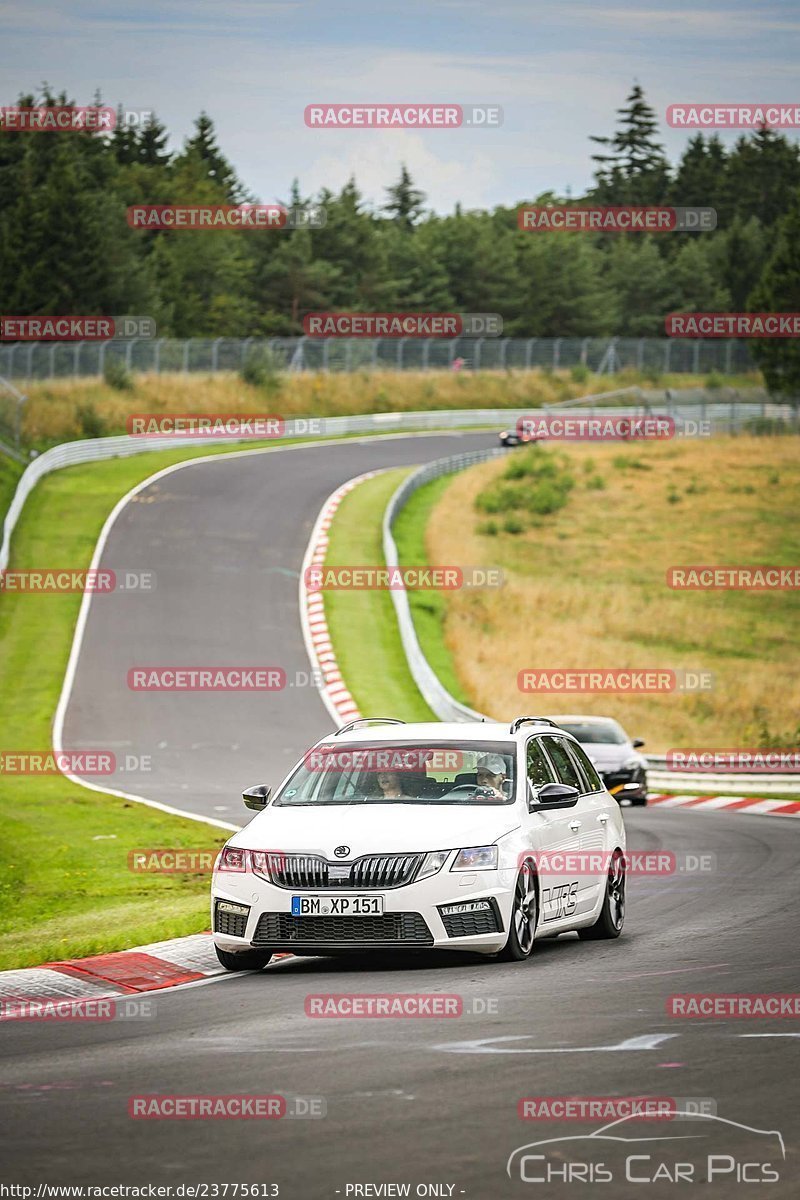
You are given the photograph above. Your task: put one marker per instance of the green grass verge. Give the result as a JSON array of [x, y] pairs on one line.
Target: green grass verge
[[64, 874], [428, 608], [10, 472], [362, 624]]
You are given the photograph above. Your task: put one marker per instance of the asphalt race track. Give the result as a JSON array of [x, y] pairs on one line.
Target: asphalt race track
[[424, 1102], [225, 541]]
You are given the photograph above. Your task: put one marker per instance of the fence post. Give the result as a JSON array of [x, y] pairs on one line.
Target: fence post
[[640, 354], [476, 362], [129, 352], [529, 352], [376, 342], [426, 353], [400, 346], [186, 356], [728, 352], [584, 351], [101, 358], [696, 357], [30, 359], [215, 354], [556, 353], [53, 359], [667, 355], [157, 356]]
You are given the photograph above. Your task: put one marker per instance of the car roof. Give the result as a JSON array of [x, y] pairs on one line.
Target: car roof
[[583, 720], [429, 731]]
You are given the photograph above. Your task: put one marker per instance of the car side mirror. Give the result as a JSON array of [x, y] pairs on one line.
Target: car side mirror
[[554, 795], [637, 742], [257, 797]]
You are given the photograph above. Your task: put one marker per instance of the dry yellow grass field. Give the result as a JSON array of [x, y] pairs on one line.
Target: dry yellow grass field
[[60, 409], [586, 587]]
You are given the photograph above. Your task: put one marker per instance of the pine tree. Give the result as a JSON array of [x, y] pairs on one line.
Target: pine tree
[[203, 150], [405, 202], [778, 290], [635, 169]]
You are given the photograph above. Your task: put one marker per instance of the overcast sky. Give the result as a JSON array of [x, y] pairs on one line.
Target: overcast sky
[[558, 69]]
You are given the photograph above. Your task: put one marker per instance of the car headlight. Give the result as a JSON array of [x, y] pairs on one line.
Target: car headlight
[[231, 859], [476, 858], [432, 863]]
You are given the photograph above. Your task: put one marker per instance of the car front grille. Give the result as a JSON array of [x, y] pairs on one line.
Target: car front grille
[[401, 929], [373, 871], [234, 924], [470, 924]]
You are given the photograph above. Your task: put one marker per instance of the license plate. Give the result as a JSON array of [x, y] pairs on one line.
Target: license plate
[[337, 906]]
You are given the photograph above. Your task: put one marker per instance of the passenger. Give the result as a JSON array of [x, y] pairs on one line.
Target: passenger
[[490, 774], [389, 784]]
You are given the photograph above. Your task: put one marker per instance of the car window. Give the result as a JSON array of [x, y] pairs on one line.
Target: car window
[[566, 770], [586, 768], [537, 766]]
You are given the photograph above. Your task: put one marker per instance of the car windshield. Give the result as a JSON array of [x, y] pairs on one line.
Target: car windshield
[[602, 733], [402, 773]]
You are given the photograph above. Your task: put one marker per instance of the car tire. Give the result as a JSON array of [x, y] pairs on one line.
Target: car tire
[[244, 960], [524, 917], [639, 802], [612, 914]]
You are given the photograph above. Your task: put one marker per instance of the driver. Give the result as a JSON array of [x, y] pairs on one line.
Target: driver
[[490, 774]]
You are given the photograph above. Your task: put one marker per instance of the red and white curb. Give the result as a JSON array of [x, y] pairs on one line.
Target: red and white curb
[[152, 968], [148, 968], [337, 699], [758, 805]]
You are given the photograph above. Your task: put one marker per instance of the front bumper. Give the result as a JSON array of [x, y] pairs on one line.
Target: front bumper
[[626, 785], [450, 910]]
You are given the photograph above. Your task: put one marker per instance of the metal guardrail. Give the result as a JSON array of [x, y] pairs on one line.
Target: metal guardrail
[[445, 705], [729, 416], [52, 360], [436, 695]]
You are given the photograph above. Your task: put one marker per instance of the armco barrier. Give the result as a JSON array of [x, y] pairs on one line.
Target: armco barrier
[[447, 708], [728, 415]]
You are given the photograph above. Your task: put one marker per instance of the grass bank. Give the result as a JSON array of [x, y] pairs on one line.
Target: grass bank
[[61, 409], [362, 624], [64, 875], [586, 567]]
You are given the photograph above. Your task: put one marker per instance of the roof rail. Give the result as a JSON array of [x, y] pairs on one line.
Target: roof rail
[[515, 724], [367, 721]]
